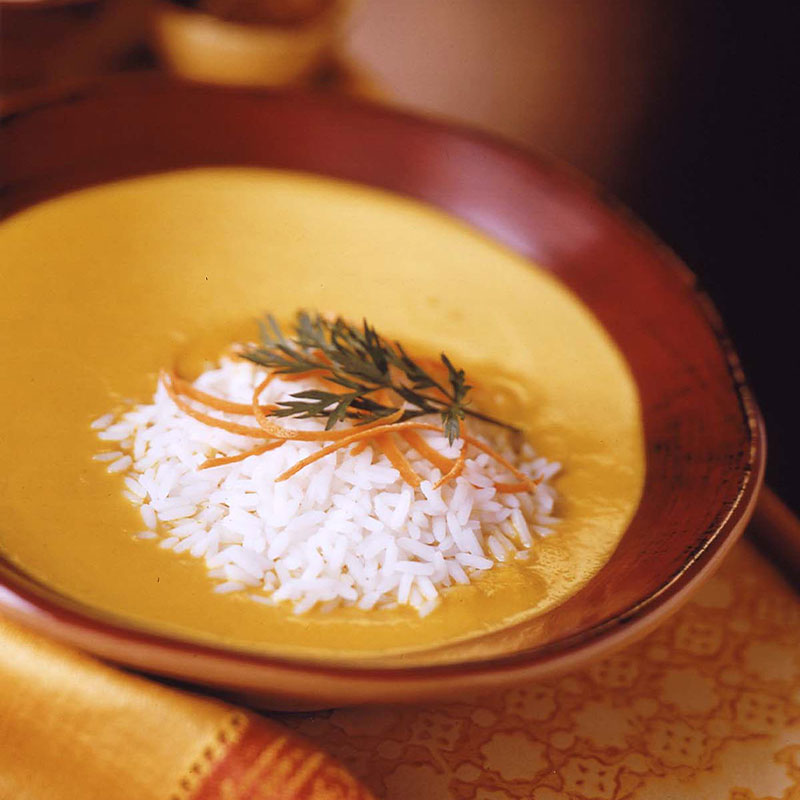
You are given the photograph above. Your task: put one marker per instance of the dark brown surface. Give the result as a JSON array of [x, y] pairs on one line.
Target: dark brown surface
[[704, 443]]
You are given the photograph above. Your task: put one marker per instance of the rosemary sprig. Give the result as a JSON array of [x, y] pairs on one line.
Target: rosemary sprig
[[364, 364]]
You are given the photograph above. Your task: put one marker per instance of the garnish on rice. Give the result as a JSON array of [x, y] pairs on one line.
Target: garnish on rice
[[372, 382], [327, 466], [371, 377]]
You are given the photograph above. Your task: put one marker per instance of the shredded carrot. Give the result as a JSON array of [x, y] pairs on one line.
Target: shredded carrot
[[279, 432], [396, 427], [520, 476], [382, 395], [322, 358], [184, 387], [525, 483], [363, 434], [256, 451], [361, 446], [426, 451], [255, 408], [319, 374], [455, 470], [515, 488], [291, 377], [378, 431], [387, 445], [207, 419], [351, 439], [438, 370]]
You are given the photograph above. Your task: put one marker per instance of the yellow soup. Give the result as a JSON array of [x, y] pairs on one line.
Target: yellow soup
[[103, 287]]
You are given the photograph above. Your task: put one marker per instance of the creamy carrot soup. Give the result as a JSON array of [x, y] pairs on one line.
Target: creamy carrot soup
[[106, 287]]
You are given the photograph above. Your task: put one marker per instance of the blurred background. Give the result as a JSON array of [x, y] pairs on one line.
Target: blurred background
[[683, 109]]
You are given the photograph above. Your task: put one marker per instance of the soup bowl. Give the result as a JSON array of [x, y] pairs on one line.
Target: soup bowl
[[703, 436]]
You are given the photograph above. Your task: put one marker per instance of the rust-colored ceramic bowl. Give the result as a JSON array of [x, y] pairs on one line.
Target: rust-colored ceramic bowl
[[703, 435]]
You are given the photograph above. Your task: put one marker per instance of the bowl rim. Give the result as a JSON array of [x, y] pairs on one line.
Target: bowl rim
[[22, 600]]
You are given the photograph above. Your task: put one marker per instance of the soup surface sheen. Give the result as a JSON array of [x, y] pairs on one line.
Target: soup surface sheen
[[103, 287]]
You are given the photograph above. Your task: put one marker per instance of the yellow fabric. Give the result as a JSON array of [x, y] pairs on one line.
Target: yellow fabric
[[707, 706], [73, 728]]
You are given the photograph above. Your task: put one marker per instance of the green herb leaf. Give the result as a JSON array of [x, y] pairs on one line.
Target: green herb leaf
[[366, 364]]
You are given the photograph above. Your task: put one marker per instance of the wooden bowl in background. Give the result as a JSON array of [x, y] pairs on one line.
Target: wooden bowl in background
[[201, 47]]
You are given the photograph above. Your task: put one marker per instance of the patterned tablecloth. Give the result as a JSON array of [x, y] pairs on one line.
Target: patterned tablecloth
[[707, 706]]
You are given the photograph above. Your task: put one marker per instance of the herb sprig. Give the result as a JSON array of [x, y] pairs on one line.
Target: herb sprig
[[367, 367]]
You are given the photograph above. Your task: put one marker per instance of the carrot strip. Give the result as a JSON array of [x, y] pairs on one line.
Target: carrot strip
[[427, 452], [520, 476], [207, 419], [291, 377], [279, 432], [358, 436], [190, 390], [456, 470], [525, 483], [313, 373], [515, 488], [395, 427], [184, 387], [361, 446], [352, 439], [255, 407], [256, 451], [387, 445], [438, 370], [322, 358], [378, 430]]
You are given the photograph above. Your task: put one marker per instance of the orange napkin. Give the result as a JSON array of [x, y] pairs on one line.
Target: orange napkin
[[72, 728]]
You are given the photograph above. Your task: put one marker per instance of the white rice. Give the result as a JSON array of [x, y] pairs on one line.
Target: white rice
[[346, 530]]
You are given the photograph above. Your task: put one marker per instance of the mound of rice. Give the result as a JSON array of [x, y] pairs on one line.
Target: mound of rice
[[344, 530]]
